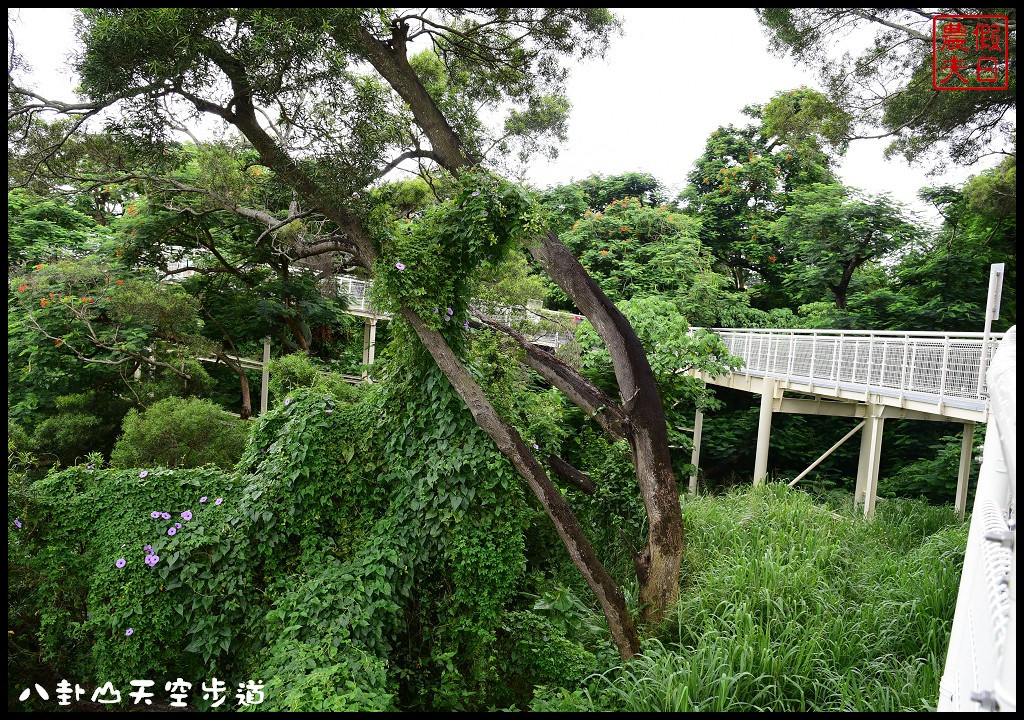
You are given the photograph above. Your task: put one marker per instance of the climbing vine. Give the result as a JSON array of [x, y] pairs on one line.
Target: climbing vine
[[430, 264]]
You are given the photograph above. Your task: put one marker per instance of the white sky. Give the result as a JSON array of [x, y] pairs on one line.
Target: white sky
[[670, 79]]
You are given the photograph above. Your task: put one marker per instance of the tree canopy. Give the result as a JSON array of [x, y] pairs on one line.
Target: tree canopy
[[887, 85]]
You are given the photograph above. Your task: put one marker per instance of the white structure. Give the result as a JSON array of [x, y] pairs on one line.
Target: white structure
[[981, 665], [860, 374], [547, 328], [867, 375]]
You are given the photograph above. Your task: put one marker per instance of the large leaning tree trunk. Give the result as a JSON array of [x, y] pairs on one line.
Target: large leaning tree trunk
[[220, 70], [644, 416]]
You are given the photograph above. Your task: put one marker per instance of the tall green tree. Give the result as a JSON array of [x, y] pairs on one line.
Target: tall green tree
[[940, 283], [831, 232], [743, 181]]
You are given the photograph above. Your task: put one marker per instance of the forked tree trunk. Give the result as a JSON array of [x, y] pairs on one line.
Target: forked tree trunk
[[644, 421], [658, 565], [511, 445]]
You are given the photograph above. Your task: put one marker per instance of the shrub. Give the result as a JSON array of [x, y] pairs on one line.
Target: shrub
[[298, 370], [180, 433], [80, 423]]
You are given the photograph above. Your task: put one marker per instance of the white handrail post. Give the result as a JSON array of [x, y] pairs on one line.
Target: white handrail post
[[881, 372], [265, 376], [856, 357], [839, 360], [871, 357], [942, 373], [995, 292], [913, 362], [792, 354], [814, 349], [903, 374]]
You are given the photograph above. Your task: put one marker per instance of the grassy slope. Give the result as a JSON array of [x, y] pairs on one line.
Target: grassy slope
[[788, 605]]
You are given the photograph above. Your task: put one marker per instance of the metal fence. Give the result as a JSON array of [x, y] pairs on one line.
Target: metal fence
[[544, 327], [944, 366]]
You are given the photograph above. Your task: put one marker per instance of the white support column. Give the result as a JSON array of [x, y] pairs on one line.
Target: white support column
[[698, 427], [369, 342], [863, 462], [769, 387], [373, 340], [964, 477], [875, 423], [265, 379]]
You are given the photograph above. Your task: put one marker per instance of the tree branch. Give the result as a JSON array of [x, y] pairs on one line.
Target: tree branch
[[895, 26], [571, 475], [583, 393]]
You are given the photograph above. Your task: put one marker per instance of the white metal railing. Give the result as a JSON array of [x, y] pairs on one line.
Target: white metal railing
[[545, 327], [981, 663], [943, 366]]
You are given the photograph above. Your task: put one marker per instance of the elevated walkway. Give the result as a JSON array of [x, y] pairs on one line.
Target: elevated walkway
[[547, 328], [871, 375]]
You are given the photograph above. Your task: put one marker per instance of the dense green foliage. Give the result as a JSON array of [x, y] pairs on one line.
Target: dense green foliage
[[179, 433], [371, 590], [886, 83], [368, 547]]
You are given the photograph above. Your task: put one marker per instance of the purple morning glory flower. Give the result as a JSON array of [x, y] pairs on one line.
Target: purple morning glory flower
[[287, 401], [450, 311], [165, 516], [89, 467], [152, 560], [447, 318], [187, 515], [466, 325], [154, 514], [328, 411], [121, 562], [202, 499], [536, 446], [129, 632], [485, 213], [171, 531], [144, 473], [148, 548], [435, 311], [177, 525], [400, 266], [17, 523], [218, 501], [475, 193]]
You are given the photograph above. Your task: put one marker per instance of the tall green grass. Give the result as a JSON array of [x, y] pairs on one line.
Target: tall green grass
[[787, 605]]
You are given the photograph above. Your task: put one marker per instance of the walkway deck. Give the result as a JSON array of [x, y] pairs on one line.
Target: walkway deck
[[935, 373], [547, 328]]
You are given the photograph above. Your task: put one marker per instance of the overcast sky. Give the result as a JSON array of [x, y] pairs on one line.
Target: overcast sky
[[671, 78]]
